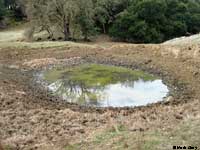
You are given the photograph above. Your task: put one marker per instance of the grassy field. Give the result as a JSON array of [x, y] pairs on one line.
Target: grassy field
[[14, 38]]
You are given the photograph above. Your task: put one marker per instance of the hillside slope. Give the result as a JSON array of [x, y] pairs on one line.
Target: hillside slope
[[194, 39]]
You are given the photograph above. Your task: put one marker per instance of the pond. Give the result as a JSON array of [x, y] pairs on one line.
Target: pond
[[105, 86]]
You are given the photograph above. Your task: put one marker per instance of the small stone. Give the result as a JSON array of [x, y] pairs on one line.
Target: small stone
[[82, 131], [148, 61], [169, 99], [84, 121], [20, 92], [126, 145], [179, 117], [195, 73], [136, 129], [14, 67], [5, 81]]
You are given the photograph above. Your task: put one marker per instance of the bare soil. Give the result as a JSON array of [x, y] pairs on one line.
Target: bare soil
[[31, 118]]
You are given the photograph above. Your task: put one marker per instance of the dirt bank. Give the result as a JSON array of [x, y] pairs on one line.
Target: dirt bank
[[30, 118]]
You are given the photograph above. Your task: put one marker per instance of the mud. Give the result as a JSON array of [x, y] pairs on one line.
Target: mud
[[31, 118]]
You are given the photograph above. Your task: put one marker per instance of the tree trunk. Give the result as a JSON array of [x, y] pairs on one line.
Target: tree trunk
[[66, 29], [86, 37], [49, 32], [104, 29]]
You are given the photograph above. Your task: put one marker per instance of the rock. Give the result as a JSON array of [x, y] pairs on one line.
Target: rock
[[84, 121], [178, 116], [148, 61], [39, 39], [81, 131], [14, 67], [136, 129], [169, 99], [5, 81], [195, 73], [60, 38], [126, 145]]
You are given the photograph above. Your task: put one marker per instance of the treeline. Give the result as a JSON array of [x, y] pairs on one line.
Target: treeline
[[74, 19], [139, 21], [154, 21]]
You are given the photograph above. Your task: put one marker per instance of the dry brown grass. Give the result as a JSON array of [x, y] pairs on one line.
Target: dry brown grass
[[185, 134]]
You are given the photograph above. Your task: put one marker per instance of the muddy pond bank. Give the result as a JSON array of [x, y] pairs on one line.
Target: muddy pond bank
[[38, 85]]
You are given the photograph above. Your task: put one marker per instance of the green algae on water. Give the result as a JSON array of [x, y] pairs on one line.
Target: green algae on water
[[93, 74]]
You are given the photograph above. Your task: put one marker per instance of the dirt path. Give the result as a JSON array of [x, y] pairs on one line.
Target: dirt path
[[30, 118]]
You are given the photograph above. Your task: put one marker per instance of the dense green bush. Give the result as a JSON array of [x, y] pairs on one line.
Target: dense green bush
[[11, 13], [2, 9], [155, 21]]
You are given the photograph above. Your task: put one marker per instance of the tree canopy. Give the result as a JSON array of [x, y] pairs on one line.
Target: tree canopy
[[154, 21]]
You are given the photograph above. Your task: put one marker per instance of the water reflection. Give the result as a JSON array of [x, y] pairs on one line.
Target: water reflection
[[121, 94]]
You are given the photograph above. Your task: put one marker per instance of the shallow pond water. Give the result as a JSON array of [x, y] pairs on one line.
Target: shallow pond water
[[105, 86]]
